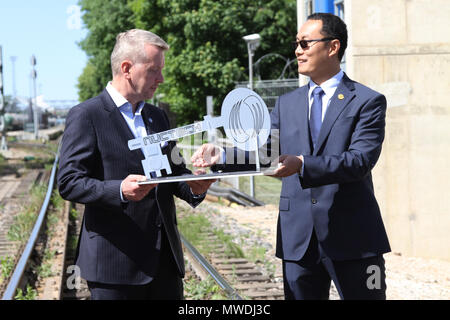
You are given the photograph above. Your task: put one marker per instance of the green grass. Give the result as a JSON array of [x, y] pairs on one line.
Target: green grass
[[6, 267], [45, 269], [196, 289], [231, 248], [29, 294], [193, 226], [23, 222], [267, 189]]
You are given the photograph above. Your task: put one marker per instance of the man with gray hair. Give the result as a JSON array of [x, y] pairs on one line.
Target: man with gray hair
[[129, 246]]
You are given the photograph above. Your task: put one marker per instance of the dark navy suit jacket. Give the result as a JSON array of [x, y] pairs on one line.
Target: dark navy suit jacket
[[119, 242], [335, 195]]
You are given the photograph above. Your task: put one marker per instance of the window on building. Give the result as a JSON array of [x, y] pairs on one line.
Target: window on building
[[339, 11], [339, 8]]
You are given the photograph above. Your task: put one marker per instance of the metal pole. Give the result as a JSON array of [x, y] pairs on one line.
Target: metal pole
[[13, 62], [250, 80], [35, 107], [4, 146]]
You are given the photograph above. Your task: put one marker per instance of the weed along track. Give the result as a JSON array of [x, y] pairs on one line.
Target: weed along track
[[19, 195], [244, 276], [221, 250]]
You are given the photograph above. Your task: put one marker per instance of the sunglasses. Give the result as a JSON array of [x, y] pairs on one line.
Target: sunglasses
[[304, 43]]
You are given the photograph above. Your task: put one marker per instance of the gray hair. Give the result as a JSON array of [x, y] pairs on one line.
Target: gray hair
[[130, 45]]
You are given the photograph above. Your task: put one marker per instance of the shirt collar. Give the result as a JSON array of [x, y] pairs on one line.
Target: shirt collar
[[329, 86], [119, 100]]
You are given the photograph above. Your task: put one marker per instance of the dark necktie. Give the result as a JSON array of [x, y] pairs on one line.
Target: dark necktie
[[315, 118]]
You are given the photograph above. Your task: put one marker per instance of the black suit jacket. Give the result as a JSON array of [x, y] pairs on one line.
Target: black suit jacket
[[119, 242]]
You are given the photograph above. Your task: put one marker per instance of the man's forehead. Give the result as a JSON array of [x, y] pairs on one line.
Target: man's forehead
[[309, 29]]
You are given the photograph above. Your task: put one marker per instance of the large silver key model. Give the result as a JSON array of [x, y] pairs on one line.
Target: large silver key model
[[244, 117]]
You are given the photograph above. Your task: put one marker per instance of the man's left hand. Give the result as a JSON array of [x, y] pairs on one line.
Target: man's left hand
[[200, 186]]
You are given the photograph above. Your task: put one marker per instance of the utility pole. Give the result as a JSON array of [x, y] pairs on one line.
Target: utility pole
[[35, 107], [13, 62], [253, 41], [4, 146]]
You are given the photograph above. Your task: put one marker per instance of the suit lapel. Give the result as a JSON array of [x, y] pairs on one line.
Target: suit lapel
[[341, 98], [116, 118], [118, 123]]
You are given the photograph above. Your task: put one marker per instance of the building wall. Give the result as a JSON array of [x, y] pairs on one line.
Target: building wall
[[402, 49]]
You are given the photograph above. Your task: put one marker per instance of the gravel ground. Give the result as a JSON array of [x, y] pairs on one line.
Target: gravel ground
[[407, 278]]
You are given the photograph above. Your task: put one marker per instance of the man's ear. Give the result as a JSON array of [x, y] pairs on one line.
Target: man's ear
[[334, 47], [125, 68]]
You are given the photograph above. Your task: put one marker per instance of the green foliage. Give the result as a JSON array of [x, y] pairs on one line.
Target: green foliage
[[73, 214], [6, 267], [231, 248], [104, 20], [44, 270], [24, 221], [203, 290], [207, 55], [57, 201], [193, 227], [30, 294]]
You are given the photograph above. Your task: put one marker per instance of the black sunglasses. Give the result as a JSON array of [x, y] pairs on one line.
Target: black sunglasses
[[304, 43]]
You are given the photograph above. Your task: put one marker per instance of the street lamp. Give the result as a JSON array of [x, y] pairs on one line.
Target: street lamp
[[253, 41]]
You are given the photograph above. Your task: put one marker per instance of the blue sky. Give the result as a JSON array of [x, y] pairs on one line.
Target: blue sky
[[49, 29]]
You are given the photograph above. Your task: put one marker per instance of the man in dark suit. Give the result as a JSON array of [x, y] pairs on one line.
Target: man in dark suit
[[330, 134], [129, 246]]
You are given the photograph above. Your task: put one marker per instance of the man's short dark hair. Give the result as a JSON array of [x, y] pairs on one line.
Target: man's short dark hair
[[334, 27]]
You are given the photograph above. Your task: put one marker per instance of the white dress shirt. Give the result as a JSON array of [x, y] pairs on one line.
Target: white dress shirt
[[329, 88]]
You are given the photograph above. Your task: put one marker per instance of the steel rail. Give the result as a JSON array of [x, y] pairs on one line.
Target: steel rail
[[16, 277], [210, 269]]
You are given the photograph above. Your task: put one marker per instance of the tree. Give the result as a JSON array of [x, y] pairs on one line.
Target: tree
[[207, 54], [104, 20]]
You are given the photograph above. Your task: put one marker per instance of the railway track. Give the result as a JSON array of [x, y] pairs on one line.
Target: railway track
[[246, 279], [14, 195]]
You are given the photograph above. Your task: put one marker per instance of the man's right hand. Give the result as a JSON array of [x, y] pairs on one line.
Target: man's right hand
[[206, 156], [133, 191]]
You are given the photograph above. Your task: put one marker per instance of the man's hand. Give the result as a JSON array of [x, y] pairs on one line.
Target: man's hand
[[200, 186], [132, 191], [205, 156], [288, 165]]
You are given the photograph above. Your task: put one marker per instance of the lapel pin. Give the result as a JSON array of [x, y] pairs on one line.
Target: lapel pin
[[340, 96]]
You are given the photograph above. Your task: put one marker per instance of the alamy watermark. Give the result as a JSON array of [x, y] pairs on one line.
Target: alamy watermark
[[73, 22], [74, 280], [374, 280]]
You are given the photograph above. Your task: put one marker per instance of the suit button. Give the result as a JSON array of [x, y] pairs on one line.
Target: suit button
[[313, 201]]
